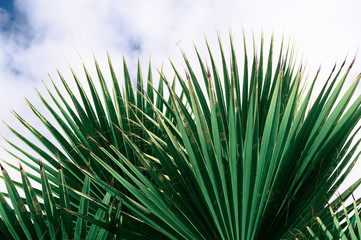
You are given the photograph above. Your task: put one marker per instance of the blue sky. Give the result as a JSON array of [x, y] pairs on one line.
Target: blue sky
[[38, 36], [7, 5]]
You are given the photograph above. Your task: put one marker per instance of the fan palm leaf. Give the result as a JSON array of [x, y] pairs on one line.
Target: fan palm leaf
[[247, 157]]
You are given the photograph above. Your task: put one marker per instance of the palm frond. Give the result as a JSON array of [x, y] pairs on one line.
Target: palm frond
[[243, 158]]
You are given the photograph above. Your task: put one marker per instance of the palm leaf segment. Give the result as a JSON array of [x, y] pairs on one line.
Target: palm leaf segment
[[246, 159], [337, 225]]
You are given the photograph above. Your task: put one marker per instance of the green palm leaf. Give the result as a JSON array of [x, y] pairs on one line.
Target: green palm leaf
[[247, 157]]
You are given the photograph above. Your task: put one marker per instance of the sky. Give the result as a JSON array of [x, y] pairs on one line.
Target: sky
[[37, 37]]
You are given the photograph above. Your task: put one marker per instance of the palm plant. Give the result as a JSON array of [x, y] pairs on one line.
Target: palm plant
[[248, 157]]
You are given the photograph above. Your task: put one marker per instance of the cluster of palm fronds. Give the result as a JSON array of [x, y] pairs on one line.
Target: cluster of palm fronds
[[248, 157]]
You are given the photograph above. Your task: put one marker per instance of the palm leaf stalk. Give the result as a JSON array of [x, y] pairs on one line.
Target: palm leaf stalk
[[249, 157]]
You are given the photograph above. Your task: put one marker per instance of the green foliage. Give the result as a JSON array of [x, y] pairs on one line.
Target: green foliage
[[330, 226], [248, 157]]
